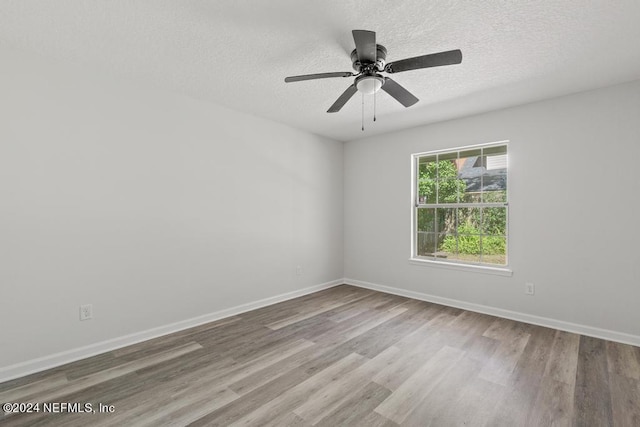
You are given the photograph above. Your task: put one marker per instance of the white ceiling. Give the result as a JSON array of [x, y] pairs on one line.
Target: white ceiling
[[237, 52]]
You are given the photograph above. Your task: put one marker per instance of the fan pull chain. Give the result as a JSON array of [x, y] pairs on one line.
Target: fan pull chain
[[374, 106], [363, 112]]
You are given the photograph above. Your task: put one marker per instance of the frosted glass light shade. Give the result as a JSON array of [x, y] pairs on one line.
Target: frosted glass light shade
[[369, 85]]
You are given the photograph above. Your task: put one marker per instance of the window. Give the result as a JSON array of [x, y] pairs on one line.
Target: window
[[460, 212]]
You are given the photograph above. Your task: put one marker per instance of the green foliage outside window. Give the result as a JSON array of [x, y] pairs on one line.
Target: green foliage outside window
[[469, 242], [449, 186]]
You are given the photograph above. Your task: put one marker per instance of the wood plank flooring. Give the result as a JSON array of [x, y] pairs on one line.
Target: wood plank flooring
[[347, 356]]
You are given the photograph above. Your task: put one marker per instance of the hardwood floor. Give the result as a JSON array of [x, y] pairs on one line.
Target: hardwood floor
[[347, 356]]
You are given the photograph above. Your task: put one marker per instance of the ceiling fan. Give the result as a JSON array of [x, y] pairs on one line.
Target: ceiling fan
[[368, 60]]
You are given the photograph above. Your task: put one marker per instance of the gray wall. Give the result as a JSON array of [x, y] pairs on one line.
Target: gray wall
[[151, 206], [574, 209]]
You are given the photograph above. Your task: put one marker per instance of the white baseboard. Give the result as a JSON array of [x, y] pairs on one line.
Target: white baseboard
[[591, 331], [47, 362]]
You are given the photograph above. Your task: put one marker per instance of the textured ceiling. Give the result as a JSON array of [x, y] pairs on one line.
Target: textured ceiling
[[237, 52]]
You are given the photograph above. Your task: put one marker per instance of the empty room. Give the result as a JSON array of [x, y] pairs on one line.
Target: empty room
[[339, 213]]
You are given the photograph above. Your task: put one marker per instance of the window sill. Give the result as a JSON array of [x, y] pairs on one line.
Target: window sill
[[499, 271]]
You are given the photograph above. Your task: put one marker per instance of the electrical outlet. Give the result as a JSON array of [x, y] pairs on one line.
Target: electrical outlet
[[298, 271], [529, 288], [86, 311]]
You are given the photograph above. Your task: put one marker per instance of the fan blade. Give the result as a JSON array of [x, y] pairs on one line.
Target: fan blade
[[316, 76], [425, 61], [401, 95], [346, 95], [365, 45]]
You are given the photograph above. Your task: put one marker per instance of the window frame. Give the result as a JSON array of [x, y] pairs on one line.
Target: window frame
[[415, 259]]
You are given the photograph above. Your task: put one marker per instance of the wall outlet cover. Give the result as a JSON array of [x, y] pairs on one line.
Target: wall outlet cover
[[86, 311], [529, 288]]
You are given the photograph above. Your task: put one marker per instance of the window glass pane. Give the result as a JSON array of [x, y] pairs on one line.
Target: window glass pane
[[427, 159], [494, 185], [447, 165], [469, 221], [427, 219], [448, 156], [495, 196], [470, 171], [494, 250], [447, 245], [471, 197], [426, 191], [427, 170], [494, 175], [448, 190], [494, 221], [446, 220], [426, 244], [468, 248], [466, 258], [469, 159], [495, 150], [498, 161]]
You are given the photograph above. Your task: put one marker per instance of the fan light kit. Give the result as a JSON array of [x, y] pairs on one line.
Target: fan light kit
[[368, 60], [369, 84]]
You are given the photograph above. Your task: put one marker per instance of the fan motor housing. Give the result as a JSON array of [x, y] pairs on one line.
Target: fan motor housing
[[381, 56]]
